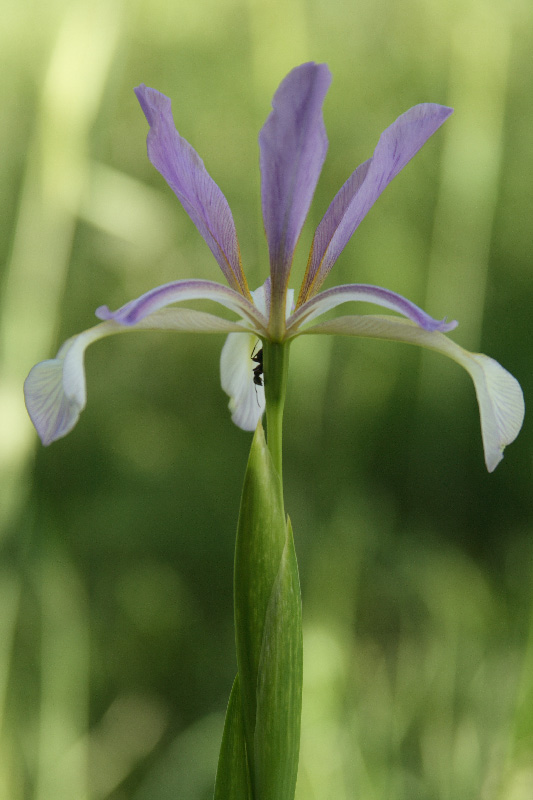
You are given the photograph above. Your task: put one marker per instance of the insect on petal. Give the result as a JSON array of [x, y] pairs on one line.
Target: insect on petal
[[247, 398]]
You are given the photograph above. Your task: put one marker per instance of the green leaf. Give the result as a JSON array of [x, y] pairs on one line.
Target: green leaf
[[268, 626], [233, 776], [260, 543], [279, 687]]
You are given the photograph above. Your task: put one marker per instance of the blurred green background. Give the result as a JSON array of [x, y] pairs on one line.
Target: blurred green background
[[116, 640]]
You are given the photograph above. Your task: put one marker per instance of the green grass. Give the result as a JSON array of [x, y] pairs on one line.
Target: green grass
[[116, 641]]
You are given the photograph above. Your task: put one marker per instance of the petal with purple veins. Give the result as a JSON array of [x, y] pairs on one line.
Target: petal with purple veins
[[293, 146], [55, 390], [396, 146], [184, 171], [180, 291], [357, 292]]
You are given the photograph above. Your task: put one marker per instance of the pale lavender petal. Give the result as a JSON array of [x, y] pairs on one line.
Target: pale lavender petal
[[187, 320], [397, 145], [53, 413], [499, 396], [179, 291], [293, 147], [185, 173], [331, 298]]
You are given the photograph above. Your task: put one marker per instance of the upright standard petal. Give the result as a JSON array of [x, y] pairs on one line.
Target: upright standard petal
[[499, 396], [185, 173], [293, 145], [396, 146]]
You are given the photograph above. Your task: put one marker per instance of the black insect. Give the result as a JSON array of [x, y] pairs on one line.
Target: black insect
[[258, 371]]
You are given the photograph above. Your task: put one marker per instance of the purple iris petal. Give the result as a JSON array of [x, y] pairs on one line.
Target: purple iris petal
[[293, 146], [325, 301], [185, 173], [180, 291], [397, 145]]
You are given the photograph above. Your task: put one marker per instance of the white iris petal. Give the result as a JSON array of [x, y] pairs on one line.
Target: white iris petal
[[51, 411], [55, 390], [500, 400], [247, 399]]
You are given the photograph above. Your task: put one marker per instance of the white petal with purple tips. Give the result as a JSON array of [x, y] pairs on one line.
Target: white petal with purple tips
[[181, 291], [361, 292], [55, 390]]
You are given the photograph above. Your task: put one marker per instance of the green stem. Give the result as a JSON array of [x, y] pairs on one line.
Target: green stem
[[275, 367]]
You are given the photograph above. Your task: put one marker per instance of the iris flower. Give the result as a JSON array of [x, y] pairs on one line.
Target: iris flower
[[293, 146]]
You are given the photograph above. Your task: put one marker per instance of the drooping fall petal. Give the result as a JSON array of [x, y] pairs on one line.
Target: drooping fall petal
[[55, 390], [396, 146], [499, 396], [185, 173]]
